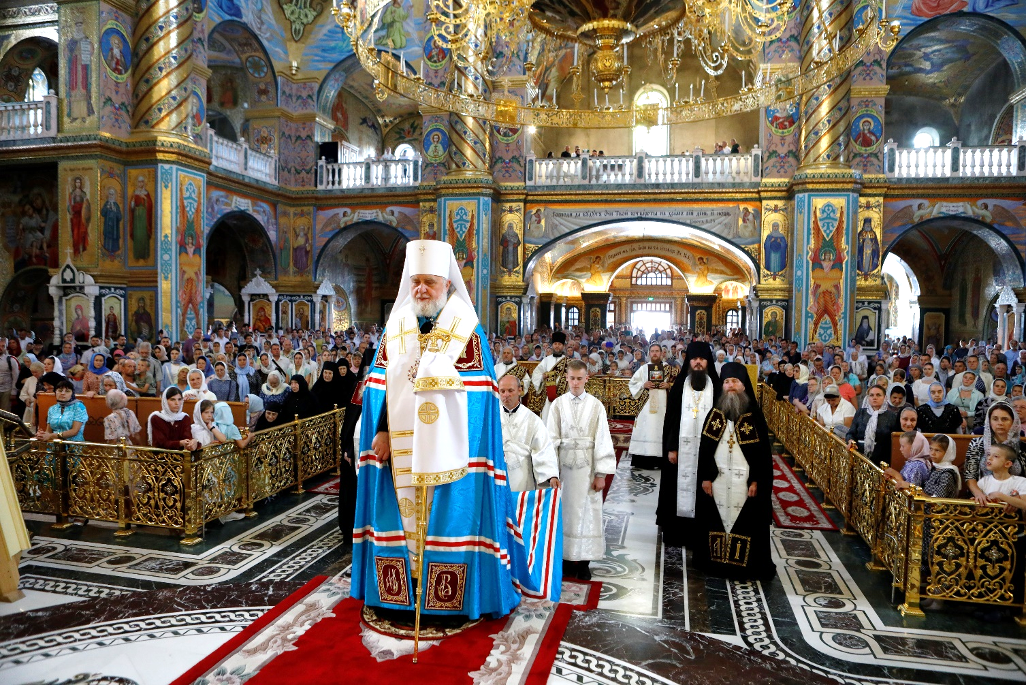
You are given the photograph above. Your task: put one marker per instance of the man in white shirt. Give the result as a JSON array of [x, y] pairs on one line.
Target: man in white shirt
[[835, 414], [530, 456]]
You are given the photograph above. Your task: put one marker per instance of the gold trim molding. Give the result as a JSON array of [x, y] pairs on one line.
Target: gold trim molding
[[869, 91]]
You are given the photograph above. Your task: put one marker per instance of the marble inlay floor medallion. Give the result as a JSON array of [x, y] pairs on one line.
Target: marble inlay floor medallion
[[142, 609]]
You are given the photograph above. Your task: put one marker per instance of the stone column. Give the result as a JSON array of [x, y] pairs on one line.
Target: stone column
[[826, 188], [1002, 333], [1018, 334], [163, 38], [825, 110]]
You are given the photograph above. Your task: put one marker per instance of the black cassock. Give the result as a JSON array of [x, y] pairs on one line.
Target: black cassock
[[743, 553], [678, 530]]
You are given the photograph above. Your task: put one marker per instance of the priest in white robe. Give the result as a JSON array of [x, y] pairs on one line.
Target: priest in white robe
[[530, 457], [656, 377], [508, 365], [580, 431], [689, 401], [550, 374], [733, 509]]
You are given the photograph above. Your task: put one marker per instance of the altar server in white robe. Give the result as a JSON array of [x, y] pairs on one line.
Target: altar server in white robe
[[690, 399], [530, 456], [549, 376], [577, 423], [508, 365], [646, 447]]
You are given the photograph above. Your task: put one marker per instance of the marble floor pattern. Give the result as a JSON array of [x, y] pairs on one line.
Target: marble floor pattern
[[141, 610]]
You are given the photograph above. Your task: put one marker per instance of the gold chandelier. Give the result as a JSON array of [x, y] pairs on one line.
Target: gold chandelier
[[482, 35]]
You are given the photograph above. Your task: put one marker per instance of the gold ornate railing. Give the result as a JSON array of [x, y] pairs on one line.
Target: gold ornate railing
[[169, 488], [612, 391], [938, 548]]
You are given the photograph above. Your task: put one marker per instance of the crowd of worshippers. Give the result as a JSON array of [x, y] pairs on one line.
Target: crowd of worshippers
[[278, 377], [967, 388]]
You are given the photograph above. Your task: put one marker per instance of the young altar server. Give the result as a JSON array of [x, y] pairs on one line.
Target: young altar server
[[530, 457], [581, 434]]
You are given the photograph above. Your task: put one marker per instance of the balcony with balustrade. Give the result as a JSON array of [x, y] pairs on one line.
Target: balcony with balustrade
[[24, 122], [694, 168], [954, 161], [241, 159], [377, 174]]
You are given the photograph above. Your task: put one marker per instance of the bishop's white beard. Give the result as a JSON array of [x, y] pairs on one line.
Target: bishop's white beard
[[733, 404], [430, 308]]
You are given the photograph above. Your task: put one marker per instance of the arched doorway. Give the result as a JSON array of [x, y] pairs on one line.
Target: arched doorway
[[237, 248], [26, 303], [242, 78], [955, 76], [642, 274], [19, 66], [365, 260], [959, 265]]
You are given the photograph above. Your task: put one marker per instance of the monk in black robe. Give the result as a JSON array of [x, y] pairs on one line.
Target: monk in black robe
[[698, 377], [733, 506]]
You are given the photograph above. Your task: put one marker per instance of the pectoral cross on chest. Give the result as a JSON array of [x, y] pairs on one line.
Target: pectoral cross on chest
[[438, 339]]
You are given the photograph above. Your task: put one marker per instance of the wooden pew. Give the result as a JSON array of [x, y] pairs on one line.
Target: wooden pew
[[142, 407]]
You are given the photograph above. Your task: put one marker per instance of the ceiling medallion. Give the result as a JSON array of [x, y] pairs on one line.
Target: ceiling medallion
[[479, 33]]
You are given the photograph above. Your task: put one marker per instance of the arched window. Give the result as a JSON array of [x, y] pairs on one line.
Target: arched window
[[404, 151], [38, 86], [733, 319], [650, 272], [926, 137], [654, 140], [573, 316]]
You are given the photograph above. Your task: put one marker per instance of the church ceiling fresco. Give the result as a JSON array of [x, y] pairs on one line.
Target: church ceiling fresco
[[737, 223], [942, 65], [913, 13], [597, 260], [1005, 216]]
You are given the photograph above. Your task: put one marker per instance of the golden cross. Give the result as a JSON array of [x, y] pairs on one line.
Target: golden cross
[[439, 338], [403, 330], [422, 249]]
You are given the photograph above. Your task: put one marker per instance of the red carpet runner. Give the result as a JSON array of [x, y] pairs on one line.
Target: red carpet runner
[[794, 506], [337, 648]]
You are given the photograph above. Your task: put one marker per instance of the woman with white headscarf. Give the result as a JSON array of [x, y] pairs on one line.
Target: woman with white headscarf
[[171, 428], [872, 426], [198, 387], [276, 390]]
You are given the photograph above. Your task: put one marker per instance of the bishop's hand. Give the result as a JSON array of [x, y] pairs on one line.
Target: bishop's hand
[[672, 457], [381, 447]]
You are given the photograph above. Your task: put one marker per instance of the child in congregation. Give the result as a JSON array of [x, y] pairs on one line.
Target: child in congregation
[[943, 480], [917, 451], [581, 435], [1000, 485]]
